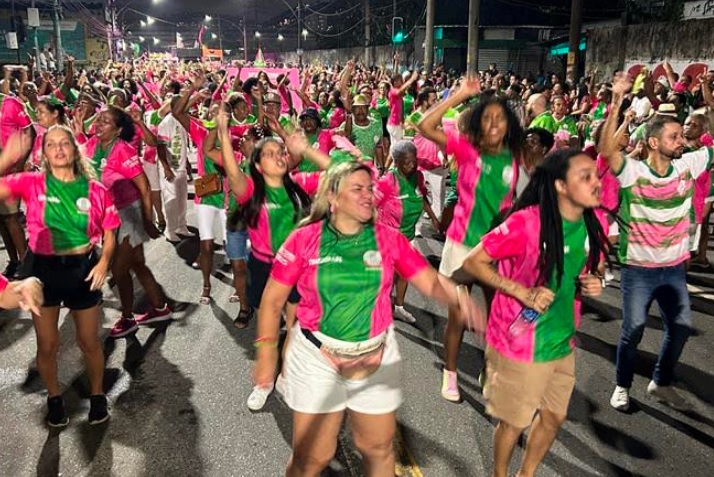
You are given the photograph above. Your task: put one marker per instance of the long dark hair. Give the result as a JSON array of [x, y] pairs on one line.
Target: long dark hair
[[299, 198], [514, 138], [541, 192], [123, 122]]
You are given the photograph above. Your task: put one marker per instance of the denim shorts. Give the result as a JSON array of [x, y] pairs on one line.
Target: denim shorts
[[237, 245]]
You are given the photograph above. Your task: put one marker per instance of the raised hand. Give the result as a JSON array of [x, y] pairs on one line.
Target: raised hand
[[621, 84]]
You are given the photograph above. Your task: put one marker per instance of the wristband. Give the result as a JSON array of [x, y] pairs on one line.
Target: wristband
[[266, 344]]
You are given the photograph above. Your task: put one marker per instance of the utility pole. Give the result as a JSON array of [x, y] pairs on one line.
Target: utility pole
[[367, 34], [576, 20], [220, 36], [429, 40], [395, 61], [35, 41], [299, 32], [15, 29], [472, 52], [58, 36], [245, 40]]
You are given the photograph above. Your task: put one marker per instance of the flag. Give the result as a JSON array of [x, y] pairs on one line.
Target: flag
[[259, 60], [199, 38]]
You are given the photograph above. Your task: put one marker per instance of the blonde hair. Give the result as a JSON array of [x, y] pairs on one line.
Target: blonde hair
[[81, 164], [332, 182]]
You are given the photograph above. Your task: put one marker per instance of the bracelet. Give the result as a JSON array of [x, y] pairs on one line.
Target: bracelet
[[266, 344]]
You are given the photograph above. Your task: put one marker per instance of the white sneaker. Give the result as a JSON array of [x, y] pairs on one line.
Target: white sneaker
[[669, 396], [609, 276], [257, 398], [401, 314], [450, 386], [620, 399]]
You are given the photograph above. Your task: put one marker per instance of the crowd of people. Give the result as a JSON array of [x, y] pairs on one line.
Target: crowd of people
[[317, 191]]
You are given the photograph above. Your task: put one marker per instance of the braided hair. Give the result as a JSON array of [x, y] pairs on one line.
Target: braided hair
[[541, 192]]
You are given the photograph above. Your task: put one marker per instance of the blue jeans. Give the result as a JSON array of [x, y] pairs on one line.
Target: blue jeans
[[640, 286]]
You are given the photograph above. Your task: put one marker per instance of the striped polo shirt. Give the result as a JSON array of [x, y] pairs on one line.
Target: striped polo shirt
[[657, 209]]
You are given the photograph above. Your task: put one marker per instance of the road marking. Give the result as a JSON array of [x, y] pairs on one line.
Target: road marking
[[700, 292], [406, 465]]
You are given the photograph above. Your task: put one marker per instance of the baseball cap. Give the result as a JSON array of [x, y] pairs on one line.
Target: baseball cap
[[310, 113], [272, 98], [360, 100]]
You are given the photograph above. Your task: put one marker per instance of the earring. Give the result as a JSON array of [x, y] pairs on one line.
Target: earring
[[332, 208]]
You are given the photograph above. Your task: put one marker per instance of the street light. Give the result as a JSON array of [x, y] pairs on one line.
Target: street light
[[156, 41], [304, 33], [150, 21], [257, 34], [280, 37], [143, 23], [213, 36], [208, 18], [142, 39]]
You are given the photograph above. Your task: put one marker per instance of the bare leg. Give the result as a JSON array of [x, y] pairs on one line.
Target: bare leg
[[314, 443], [543, 431], [87, 324], [158, 207], [12, 222], [240, 282], [205, 261], [121, 266], [373, 436], [505, 438], [48, 342], [402, 285], [146, 278], [453, 336]]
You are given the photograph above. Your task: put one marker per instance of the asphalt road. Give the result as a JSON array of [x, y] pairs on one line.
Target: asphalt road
[[178, 395]]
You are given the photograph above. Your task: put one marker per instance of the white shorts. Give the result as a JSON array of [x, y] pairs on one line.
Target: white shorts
[[452, 260], [694, 238], [312, 386], [132, 225], [152, 173], [396, 132], [207, 217]]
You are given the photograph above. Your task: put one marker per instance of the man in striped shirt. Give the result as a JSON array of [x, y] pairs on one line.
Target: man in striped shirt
[[656, 203]]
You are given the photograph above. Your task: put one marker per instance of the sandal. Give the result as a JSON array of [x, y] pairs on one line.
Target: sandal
[[206, 297], [244, 316], [233, 298]]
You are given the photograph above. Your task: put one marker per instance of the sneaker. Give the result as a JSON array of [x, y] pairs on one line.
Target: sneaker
[[669, 396], [401, 314], [155, 315], [620, 399], [98, 410], [609, 276], [56, 417], [11, 270], [257, 398], [450, 386], [123, 327]]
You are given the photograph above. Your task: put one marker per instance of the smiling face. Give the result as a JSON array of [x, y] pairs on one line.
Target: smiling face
[[354, 199]]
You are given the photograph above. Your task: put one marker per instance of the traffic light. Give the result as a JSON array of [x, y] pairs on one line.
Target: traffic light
[[398, 34]]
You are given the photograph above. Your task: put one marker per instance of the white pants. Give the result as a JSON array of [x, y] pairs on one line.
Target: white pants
[[175, 197], [396, 132], [436, 182], [152, 173]]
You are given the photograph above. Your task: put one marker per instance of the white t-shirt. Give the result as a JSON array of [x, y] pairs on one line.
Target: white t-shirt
[[174, 135]]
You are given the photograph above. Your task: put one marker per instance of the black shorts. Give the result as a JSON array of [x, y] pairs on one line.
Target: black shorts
[[64, 278], [258, 274], [385, 133]]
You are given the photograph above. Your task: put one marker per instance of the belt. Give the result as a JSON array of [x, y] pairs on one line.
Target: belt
[[311, 337]]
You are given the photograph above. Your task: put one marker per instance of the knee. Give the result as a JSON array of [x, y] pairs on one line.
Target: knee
[[509, 430], [310, 463], [551, 420], [88, 344], [207, 247], [48, 347], [373, 448], [632, 335]]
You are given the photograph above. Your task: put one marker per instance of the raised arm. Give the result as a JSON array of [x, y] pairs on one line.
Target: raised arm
[[609, 145], [298, 147], [237, 180], [407, 84], [429, 125]]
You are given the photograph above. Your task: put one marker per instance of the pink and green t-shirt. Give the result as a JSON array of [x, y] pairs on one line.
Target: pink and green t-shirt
[[277, 216], [345, 282], [117, 167], [485, 187], [62, 216], [396, 106], [198, 133], [13, 118], [400, 201], [515, 246]]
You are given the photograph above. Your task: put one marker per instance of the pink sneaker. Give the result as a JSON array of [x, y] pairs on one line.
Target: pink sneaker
[[450, 386], [154, 315], [123, 327]]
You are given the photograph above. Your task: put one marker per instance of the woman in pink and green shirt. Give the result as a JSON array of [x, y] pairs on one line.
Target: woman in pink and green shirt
[[400, 198], [69, 214], [486, 158], [343, 357]]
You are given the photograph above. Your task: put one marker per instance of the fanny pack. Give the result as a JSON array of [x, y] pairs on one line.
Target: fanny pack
[[352, 361]]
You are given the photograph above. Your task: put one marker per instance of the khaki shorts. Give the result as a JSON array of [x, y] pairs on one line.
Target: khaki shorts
[[515, 390], [9, 207], [452, 259]]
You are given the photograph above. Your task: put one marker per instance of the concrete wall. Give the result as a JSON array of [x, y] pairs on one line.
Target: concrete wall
[[685, 44]]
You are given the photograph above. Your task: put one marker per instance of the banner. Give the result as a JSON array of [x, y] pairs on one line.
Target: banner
[[293, 76]]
